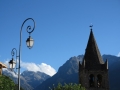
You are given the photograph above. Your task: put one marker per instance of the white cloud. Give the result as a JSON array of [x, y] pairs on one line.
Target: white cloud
[[30, 66], [118, 54], [47, 69], [10, 72], [6, 63], [39, 67]]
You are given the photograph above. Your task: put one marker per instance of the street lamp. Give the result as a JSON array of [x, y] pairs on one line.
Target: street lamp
[[29, 43], [12, 62]]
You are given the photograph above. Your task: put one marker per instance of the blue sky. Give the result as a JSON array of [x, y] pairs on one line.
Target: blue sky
[[62, 28]]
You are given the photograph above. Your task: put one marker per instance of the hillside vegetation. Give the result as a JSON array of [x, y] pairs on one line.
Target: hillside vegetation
[[7, 84]]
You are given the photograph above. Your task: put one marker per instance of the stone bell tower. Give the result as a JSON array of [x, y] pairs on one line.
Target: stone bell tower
[[93, 72]]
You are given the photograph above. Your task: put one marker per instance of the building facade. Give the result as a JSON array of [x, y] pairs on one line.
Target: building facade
[[93, 71], [2, 66]]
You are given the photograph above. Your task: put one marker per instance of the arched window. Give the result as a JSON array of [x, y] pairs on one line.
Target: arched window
[[99, 80], [91, 80]]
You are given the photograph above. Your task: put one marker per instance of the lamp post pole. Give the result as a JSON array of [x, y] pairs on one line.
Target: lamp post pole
[[29, 43], [12, 61], [28, 28]]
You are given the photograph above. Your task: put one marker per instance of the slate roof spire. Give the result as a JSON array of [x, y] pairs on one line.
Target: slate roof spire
[[92, 55]]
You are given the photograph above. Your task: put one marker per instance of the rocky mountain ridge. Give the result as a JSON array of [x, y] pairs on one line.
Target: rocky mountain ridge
[[67, 73], [28, 79]]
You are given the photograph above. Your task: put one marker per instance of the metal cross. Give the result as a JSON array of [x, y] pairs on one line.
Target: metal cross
[[91, 26]]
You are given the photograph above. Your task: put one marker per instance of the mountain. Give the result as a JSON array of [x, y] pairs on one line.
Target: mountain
[[111, 58], [34, 78], [68, 73], [114, 71], [13, 76], [28, 79]]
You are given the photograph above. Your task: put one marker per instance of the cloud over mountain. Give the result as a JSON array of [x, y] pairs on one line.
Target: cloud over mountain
[[10, 72], [118, 54], [43, 67], [30, 66]]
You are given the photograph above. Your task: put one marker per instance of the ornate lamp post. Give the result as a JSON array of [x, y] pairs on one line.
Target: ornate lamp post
[[29, 43]]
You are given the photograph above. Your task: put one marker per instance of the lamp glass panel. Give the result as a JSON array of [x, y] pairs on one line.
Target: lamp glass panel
[[12, 64], [29, 42]]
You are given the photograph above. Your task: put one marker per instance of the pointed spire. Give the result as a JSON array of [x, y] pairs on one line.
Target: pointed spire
[[84, 63], [79, 66], [106, 63], [92, 55]]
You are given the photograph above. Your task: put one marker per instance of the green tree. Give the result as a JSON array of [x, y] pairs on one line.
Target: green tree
[[69, 86], [7, 84]]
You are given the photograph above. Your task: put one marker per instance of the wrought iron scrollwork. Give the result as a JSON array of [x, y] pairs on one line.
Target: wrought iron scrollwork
[[13, 52], [29, 29]]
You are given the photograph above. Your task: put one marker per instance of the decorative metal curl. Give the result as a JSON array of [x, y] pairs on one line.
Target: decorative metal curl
[[29, 28], [12, 52]]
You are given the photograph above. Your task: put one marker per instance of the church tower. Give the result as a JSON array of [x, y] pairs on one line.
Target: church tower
[[93, 72]]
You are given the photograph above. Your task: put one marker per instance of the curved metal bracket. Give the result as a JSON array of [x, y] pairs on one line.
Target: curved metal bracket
[[13, 53], [29, 28]]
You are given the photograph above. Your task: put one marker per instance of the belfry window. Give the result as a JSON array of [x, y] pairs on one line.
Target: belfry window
[[91, 80], [99, 80]]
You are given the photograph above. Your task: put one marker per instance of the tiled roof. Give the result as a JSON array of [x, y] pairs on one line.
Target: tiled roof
[[3, 65]]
